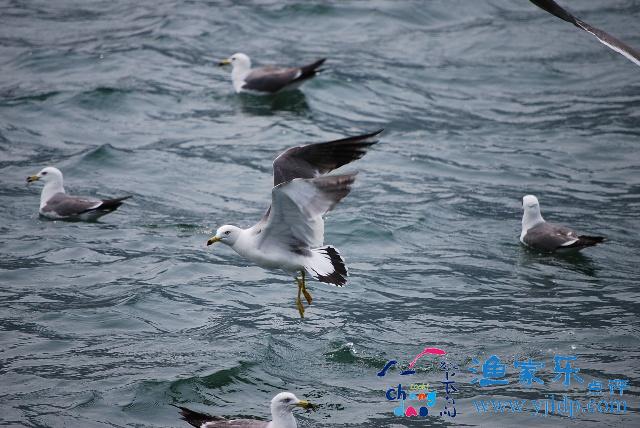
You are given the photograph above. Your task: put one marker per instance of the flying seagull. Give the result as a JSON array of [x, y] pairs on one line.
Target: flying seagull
[[268, 80], [538, 234], [290, 235], [56, 204], [281, 415], [605, 38]]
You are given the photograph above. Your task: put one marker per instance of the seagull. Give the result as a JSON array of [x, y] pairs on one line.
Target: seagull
[[281, 415], [538, 234], [290, 234], [267, 80], [56, 204], [605, 38]]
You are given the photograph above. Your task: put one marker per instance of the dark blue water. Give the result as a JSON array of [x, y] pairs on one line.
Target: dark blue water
[[106, 324]]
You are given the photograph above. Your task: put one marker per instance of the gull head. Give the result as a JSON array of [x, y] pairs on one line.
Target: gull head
[[48, 174], [285, 402], [238, 61], [226, 234], [530, 203], [531, 215]]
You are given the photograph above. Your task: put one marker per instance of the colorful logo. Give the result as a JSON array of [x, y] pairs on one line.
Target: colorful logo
[[421, 395], [416, 392]]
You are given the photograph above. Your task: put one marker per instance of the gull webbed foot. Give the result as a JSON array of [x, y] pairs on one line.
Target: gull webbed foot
[[307, 295], [300, 307]]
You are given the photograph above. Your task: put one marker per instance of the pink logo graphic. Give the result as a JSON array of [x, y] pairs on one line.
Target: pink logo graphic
[[426, 351]]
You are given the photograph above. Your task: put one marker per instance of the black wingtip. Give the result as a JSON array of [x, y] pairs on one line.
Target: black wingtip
[[112, 204], [192, 417], [591, 240], [362, 137], [369, 134], [316, 64], [120, 199], [555, 9], [586, 241], [379, 131], [310, 70]]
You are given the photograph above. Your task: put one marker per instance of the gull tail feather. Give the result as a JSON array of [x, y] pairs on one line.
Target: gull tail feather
[[326, 265]]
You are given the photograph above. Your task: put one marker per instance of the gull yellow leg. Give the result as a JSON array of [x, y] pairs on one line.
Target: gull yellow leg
[[302, 289], [307, 295], [298, 299]]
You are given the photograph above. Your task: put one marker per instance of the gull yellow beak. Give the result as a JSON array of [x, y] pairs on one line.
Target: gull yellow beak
[[32, 178], [224, 62], [213, 240], [305, 405]]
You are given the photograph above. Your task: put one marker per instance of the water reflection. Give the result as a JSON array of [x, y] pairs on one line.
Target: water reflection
[[268, 105], [573, 260]]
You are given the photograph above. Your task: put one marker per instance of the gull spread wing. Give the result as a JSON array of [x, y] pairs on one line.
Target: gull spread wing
[[605, 38], [313, 160], [295, 217]]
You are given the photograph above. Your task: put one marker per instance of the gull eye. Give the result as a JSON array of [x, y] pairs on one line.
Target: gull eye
[[227, 232], [44, 173]]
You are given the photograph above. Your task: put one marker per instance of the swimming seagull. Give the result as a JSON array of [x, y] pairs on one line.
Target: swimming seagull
[[290, 235], [538, 234], [56, 204], [605, 38], [281, 414], [268, 80]]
